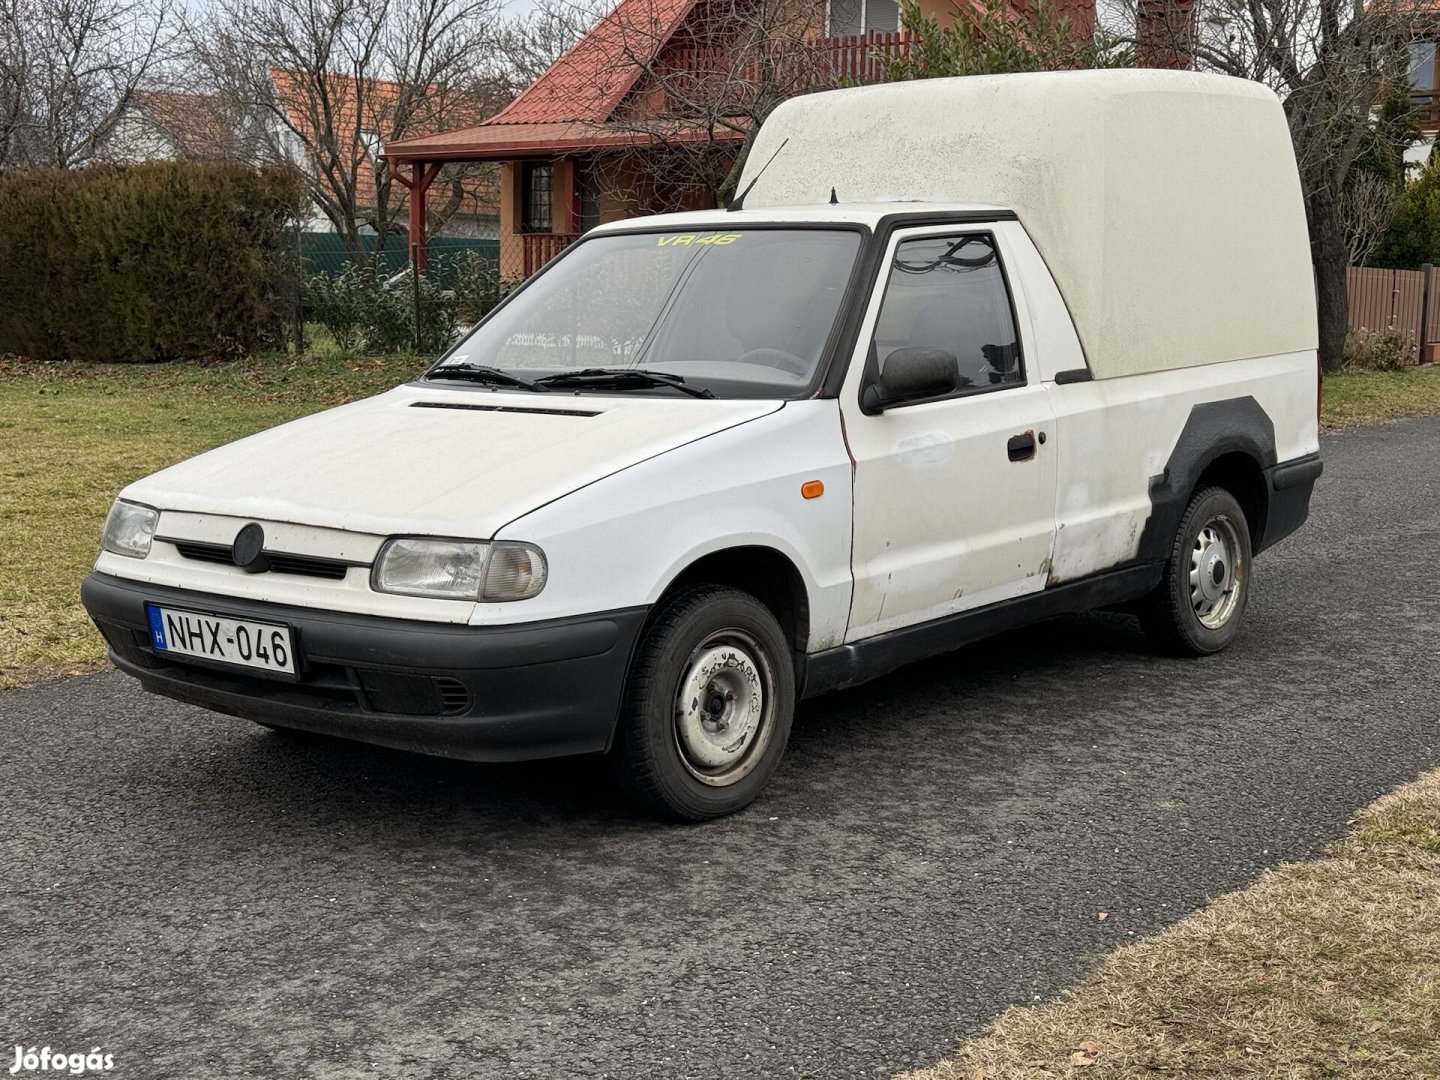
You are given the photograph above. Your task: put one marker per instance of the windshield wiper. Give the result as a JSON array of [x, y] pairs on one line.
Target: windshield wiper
[[481, 374], [620, 379]]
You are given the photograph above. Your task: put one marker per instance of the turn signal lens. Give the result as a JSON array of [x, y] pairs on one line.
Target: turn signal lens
[[514, 572], [812, 489]]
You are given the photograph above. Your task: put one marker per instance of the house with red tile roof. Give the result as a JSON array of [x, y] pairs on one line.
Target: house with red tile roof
[[571, 147], [362, 115]]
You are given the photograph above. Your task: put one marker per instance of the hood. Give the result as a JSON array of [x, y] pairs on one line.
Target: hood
[[438, 462]]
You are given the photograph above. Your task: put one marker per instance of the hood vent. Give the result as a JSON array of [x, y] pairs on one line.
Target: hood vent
[[502, 408]]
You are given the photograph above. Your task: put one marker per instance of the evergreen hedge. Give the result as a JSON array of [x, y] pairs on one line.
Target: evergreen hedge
[[141, 263]]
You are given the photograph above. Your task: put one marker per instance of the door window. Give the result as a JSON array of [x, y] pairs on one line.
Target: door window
[[948, 293]]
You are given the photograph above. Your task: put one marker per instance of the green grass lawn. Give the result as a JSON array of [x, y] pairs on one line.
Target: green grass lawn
[[71, 436], [1369, 397]]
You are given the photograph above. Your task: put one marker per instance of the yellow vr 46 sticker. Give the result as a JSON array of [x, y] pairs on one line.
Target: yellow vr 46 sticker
[[684, 239]]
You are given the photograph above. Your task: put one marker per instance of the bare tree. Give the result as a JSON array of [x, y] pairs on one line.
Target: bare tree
[[331, 81], [68, 71], [703, 92], [1332, 62], [1367, 206], [527, 46]]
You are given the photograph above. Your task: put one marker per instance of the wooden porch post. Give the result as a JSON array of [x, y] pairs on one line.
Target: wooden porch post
[[572, 195], [418, 245], [422, 175]]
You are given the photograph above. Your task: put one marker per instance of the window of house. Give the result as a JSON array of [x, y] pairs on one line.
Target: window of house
[[848, 18], [947, 292], [537, 182], [1422, 80]]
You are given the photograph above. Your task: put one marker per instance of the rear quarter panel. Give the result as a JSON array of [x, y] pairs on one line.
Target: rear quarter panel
[[1115, 435]]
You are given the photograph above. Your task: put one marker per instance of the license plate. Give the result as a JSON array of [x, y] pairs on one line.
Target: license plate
[[227, 641]]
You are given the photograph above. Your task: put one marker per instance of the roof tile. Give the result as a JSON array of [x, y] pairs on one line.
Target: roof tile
[[589, 81]]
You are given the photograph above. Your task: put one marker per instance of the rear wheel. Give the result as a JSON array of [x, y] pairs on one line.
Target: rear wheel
[[1200, 602], [708, 707]]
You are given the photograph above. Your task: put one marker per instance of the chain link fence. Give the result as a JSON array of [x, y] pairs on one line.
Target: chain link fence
[[376, 305]]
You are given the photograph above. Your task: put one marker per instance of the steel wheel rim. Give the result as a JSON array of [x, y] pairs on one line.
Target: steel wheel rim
[[1217, 572], [724, 708]]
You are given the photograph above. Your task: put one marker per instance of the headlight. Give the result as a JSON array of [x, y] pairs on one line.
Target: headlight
[[459, 569], [129, 528]]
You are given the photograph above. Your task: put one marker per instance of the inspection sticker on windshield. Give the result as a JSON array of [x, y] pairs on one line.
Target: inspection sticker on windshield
[[684, 239]]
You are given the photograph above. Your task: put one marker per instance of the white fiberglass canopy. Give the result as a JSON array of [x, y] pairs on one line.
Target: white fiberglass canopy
[[1166, 204]]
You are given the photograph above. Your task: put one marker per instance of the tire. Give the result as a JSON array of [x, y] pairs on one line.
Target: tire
[[1200, 602], [671, 750]]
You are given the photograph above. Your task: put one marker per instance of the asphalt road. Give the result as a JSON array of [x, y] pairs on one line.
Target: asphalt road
[[203, 898]]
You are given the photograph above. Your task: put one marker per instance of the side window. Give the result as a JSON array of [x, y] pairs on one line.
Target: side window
[[948, 294]]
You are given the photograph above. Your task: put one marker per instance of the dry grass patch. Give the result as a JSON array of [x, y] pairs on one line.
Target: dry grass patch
[[73, 435], [1328, 968]]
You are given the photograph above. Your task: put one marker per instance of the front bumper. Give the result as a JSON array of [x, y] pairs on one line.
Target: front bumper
[[508, 693]]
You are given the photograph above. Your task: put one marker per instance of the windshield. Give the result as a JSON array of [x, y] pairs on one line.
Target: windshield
[[741, 314]]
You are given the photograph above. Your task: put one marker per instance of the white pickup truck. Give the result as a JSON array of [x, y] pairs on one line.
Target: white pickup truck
[[972, 353]]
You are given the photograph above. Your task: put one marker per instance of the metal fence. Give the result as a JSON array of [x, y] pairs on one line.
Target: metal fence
[[1405, 300], [363, 310], [326, 253]]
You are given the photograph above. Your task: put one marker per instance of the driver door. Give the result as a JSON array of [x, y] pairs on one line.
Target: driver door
[[954, 487]]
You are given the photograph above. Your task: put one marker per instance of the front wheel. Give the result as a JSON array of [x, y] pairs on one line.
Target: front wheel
[[708, 706], [1198, 606]]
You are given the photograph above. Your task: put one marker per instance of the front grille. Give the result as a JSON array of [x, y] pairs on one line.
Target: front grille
[[280, 562], [216, 553]]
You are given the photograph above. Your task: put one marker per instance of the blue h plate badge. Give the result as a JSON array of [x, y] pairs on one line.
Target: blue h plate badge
[[157, 626]]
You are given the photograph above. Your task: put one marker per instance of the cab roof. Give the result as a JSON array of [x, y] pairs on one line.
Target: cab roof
[[860, 213]]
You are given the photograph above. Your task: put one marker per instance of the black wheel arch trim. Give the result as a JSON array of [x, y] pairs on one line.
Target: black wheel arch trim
[[1213, 430]]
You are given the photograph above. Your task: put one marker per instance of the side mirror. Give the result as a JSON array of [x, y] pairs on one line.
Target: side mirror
[[911, 374]]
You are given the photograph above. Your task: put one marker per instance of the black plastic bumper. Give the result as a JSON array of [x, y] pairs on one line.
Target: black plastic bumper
[[533, 690], [1291, 484]]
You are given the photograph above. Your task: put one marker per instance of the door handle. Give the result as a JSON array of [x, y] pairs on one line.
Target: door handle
[[1021, 447]]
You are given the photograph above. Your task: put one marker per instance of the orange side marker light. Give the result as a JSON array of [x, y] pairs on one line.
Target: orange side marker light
[[812, 489]]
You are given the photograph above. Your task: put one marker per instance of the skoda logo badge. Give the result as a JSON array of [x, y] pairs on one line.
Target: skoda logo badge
[[249, 550]]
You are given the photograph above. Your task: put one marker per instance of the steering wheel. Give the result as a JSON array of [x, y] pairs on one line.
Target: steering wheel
[[776, 358]]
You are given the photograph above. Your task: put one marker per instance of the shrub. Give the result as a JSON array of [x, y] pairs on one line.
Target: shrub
[[1379, 350], [367, 310], [477, 285], [156, 261]]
